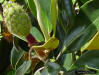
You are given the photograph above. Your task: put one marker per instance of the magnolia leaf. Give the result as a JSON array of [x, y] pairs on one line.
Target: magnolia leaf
[[37, 73], [93, 44], [32, 7], [65, 60], [51, 44], [85, 27], [40, 19], [89, 58], [16, 55], [51, 69], [37, 34], [54, 14]]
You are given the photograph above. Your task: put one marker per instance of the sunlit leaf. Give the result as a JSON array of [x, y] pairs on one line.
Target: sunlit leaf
[[93, 44], [54, 14], [51, 44], [43, 12]]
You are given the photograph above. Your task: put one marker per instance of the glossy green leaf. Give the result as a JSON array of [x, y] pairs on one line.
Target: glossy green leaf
[[69, 10], [93, 44], [66, 61], [60, 34], [72, 37], [16, 55], [51, 69], [65, 17], [54, 14], [23, 68], [32, 8], [51, 44], [37, 34], [90, 58], [43, 16], [66, 14], [44, 72], [85, 26]]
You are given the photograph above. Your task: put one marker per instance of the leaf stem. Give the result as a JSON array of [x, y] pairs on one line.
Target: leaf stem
[[31, 40]]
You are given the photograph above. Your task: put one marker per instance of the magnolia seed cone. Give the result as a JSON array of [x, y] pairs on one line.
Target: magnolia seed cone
[[16, 19]]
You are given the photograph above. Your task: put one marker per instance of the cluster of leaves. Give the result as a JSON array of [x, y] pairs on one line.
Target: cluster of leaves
[[74, 23]]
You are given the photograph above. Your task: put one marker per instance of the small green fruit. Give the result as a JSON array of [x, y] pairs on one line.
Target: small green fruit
[[16, 19]]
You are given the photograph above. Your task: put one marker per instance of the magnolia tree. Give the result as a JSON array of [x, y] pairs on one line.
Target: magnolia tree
[[49, 37]]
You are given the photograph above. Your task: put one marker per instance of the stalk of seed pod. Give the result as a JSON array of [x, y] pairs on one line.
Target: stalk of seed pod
[[18, 22], [31, 40]]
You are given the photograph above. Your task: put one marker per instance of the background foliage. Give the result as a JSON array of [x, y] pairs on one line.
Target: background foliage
[[75, 23]]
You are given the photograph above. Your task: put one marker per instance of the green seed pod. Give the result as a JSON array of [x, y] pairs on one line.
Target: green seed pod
[[16, 19]]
